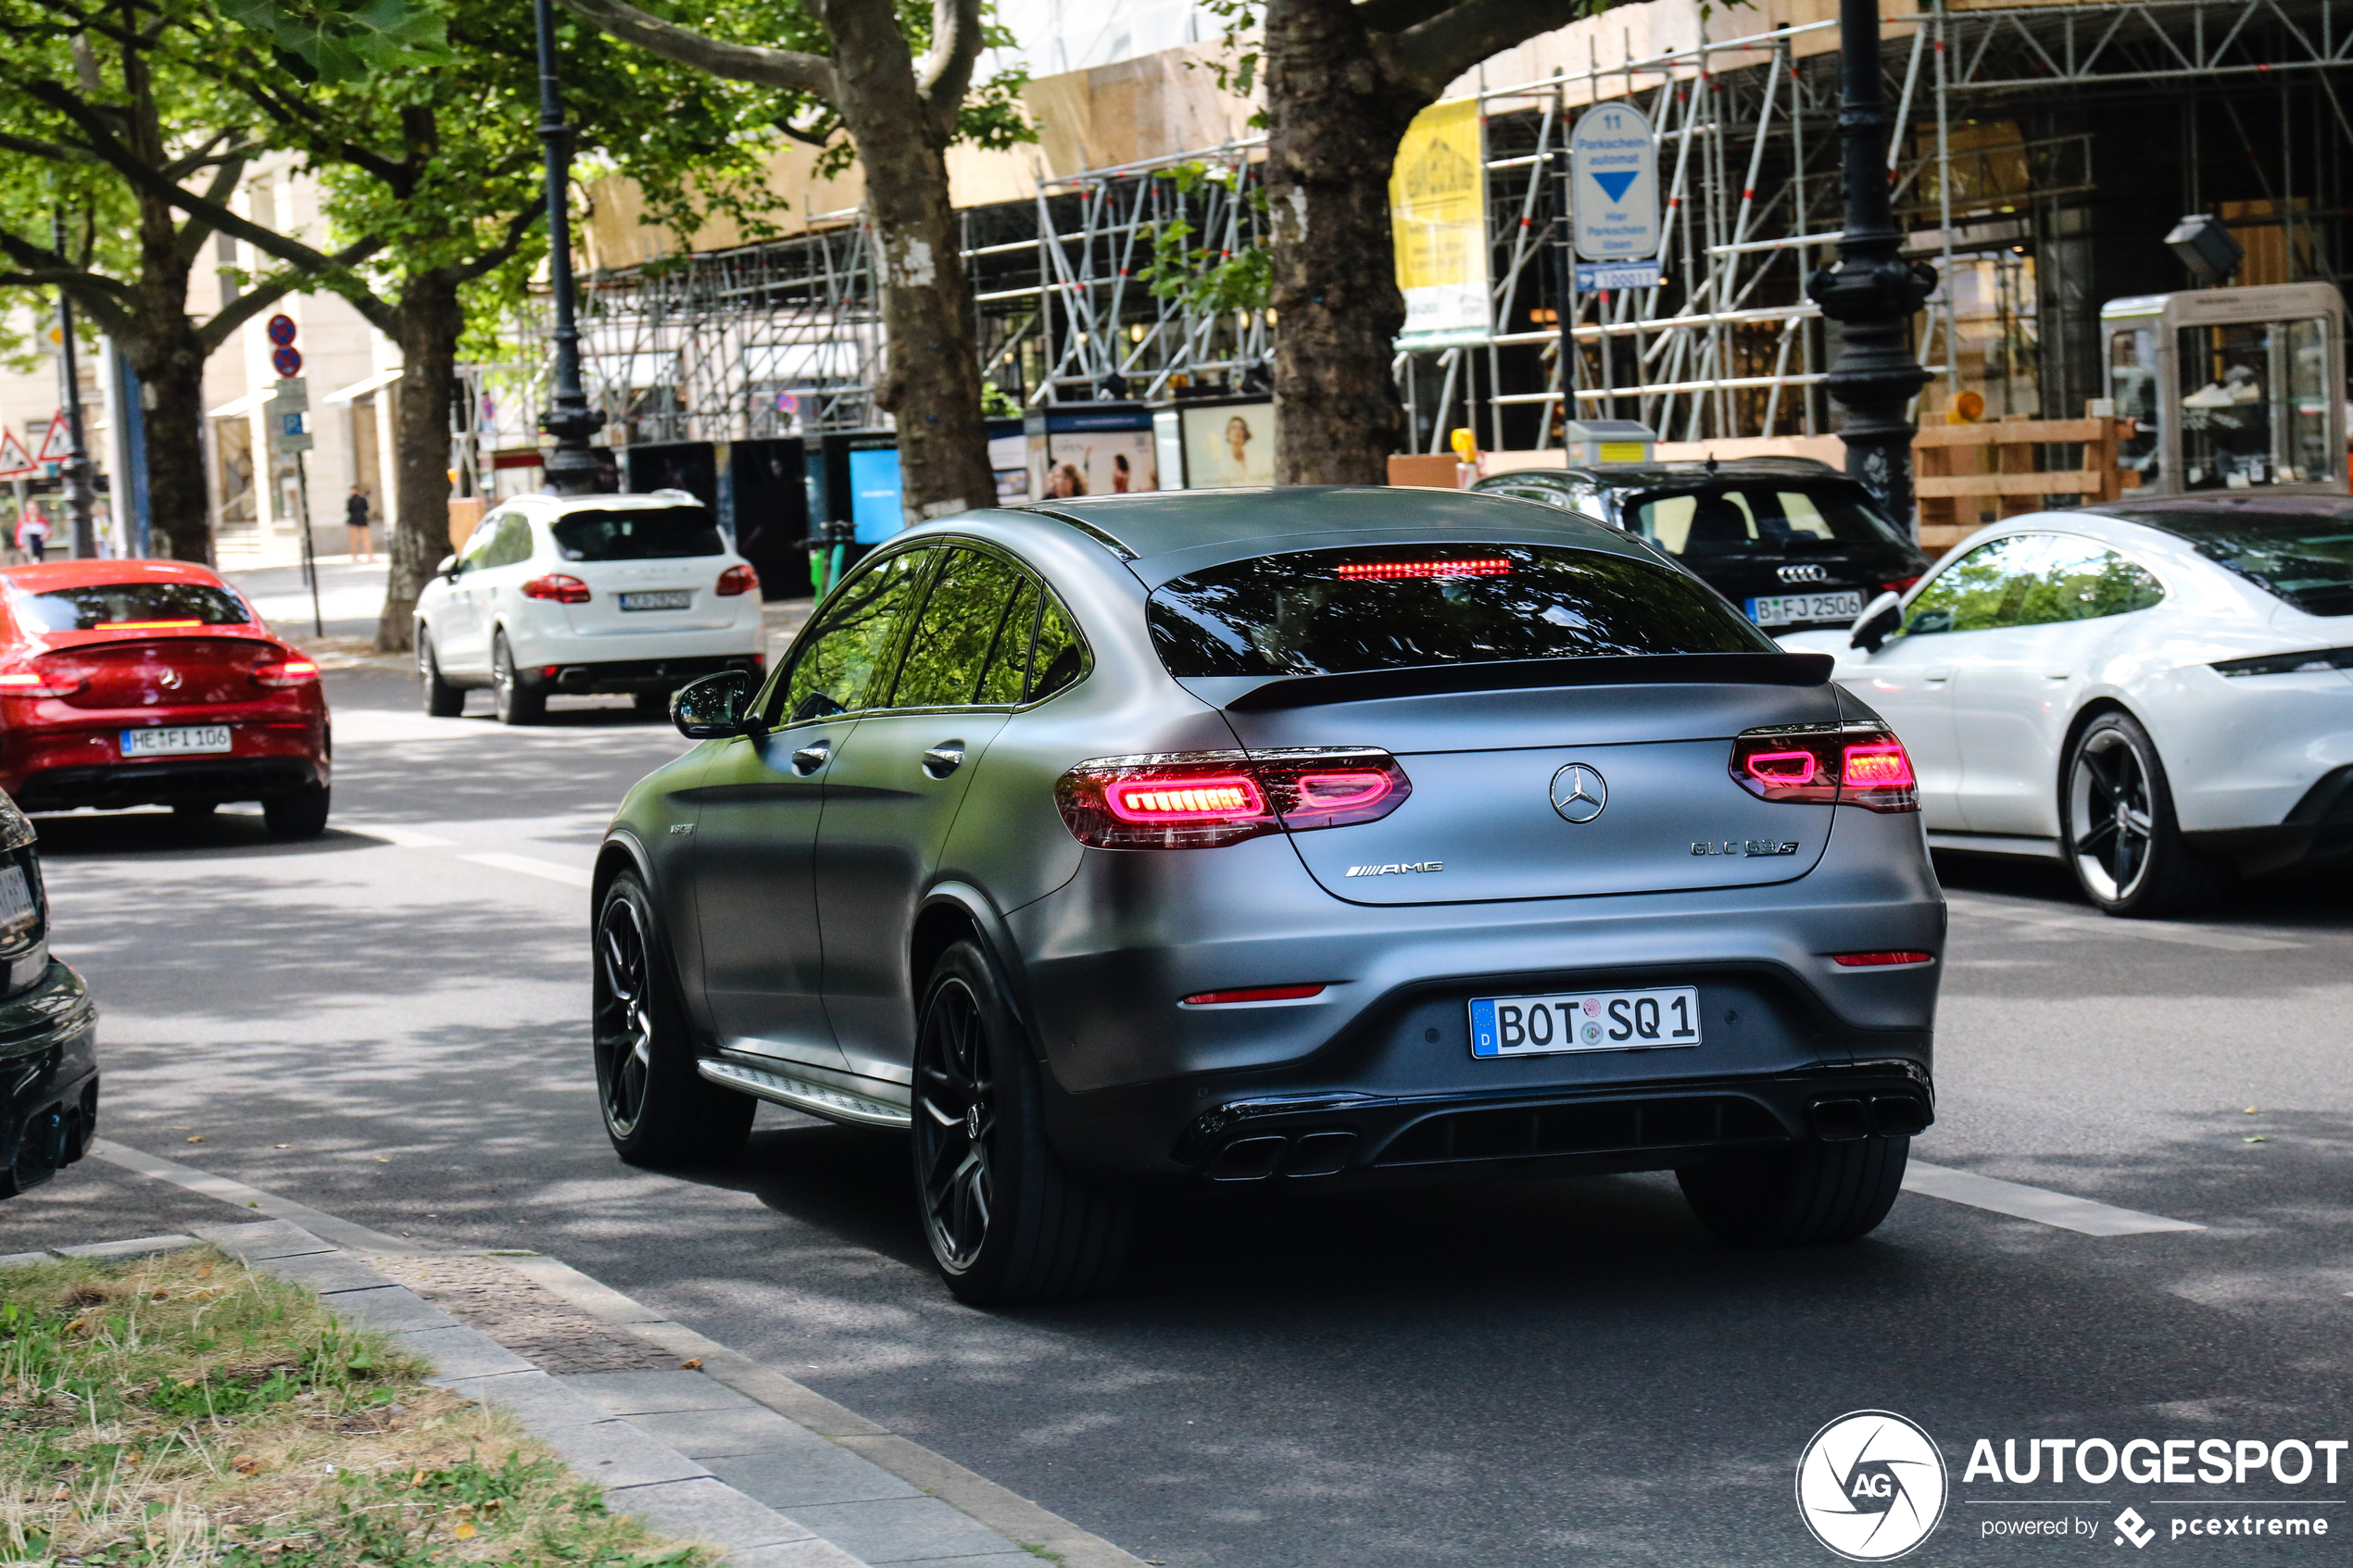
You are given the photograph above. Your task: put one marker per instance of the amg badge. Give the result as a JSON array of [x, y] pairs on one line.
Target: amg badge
[[1392, 871], [1747, 846]]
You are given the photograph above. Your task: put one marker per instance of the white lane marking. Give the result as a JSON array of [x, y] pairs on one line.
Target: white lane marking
[[406, 838], [575, 876], [2039, 1204], [2149, 930]]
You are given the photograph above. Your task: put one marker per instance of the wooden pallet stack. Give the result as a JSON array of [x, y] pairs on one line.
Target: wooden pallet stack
[[1957, 467]]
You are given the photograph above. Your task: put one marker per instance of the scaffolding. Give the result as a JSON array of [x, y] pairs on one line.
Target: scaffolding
[[784, 337]]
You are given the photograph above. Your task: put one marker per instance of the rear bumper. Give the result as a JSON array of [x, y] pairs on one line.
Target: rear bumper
[[110, 786], [2317, 830], [48, 1078], [632, 675], [1630, 1126]]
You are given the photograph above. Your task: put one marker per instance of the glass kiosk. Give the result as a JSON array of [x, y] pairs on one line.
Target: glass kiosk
[[2232, 389]]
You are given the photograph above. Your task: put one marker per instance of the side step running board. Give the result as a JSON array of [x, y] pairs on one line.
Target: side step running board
[[818, 1100]]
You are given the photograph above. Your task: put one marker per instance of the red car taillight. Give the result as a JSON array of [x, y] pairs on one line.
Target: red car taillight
[[1200, 799], [288, 671], [738, 580], [562, 588], [1827, 764], [34, 679]]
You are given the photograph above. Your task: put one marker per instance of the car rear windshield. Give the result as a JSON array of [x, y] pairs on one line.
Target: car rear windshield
[[130, 606], [638, 533], [2304, 558], [1760, 517], [1320, 612]]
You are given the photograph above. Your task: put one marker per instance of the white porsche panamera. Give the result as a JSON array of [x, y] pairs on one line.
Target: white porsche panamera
[[2157, 693], [586, 593]]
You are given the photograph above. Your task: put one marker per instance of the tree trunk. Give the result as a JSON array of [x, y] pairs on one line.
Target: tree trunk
[[169, 355], [430, 322], [1335, 118], [933, 384]]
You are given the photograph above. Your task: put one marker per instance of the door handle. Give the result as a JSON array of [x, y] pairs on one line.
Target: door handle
[[810, 758], [1936, 674], [944, 759], [2058, 674]]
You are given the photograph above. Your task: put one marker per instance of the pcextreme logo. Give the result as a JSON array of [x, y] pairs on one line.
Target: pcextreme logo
[[1872, 1486]]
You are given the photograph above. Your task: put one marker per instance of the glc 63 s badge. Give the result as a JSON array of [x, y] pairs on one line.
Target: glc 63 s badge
[[1746, 846]]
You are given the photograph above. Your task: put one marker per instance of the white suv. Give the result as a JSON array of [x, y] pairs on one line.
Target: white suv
[[636, 594]]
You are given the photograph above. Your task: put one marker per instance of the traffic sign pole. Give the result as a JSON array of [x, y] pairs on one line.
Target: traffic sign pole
[[77, 462]]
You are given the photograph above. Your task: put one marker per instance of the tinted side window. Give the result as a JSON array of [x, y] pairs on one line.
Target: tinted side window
[[950, 645], [482, 544], [843, 660], [1059, 659], [2081, 580], [513, 544], [2032, 580], [1007, 676]]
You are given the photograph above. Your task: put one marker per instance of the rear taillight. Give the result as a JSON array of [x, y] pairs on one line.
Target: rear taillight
[[738, 580], [33, 679], [1900, 585], [289, 672], [556, 585], [1199, 799], [1827, 764]]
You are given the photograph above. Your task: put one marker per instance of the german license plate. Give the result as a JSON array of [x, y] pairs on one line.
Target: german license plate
[[1789, 610], [1584, 1021], [680, 598], [183, 741]]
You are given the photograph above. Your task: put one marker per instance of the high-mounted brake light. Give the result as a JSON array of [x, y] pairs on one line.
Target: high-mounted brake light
[[1482, 565], [1879, 960], [1200, 799], [1861, 764], [559, 586], [1252, 994], [143, 625], [738, 579], [287, 673]]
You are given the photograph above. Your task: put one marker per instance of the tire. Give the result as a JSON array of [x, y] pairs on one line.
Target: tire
[[194, 811], [513, 702], [657, 1110], [442, 699], [1810, 1193], [2118, 830], [1005, 1222], [301, 813], [651, 705]]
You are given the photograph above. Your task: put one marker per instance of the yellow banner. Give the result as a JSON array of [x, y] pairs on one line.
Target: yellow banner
[[1438, 214]]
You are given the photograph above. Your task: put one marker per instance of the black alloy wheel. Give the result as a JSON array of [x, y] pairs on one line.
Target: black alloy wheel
[[658, 1108], [1810, 1194], [513, 702], [1006, 1224], [2116, 817], [442, 699]]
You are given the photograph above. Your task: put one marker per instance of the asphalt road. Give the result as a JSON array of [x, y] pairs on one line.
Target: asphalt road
[[388, 1023]]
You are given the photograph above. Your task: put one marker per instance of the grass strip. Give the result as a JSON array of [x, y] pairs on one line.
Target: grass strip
[[186, 1411]]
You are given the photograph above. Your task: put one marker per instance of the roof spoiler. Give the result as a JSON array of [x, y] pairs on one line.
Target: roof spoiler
[[1522, 674]]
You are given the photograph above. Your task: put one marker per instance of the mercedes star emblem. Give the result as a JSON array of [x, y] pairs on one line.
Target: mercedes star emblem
[[1579, 792], [168, 679]]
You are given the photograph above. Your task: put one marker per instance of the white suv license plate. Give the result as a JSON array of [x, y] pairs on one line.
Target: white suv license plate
[[684, 598], [1786, 610], [1584, 1021], [176, 742]]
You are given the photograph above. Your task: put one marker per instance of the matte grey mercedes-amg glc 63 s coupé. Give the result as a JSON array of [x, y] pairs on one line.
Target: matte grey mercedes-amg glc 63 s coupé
[[1308, 838]]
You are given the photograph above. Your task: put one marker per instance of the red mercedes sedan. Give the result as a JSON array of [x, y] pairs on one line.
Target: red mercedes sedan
[[140, 682]]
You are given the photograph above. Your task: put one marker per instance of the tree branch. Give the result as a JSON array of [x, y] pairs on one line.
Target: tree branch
[[498, 254], [251, 303], [49, 151], [193, 233], [1396, 15], [1434, 52], [946, 74], [787, 68]]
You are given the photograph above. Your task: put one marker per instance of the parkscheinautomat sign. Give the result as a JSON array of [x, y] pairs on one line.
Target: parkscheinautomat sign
[[1872, 1485]]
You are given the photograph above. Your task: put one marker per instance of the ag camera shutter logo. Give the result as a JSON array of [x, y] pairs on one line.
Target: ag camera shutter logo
[[1872, 1486]]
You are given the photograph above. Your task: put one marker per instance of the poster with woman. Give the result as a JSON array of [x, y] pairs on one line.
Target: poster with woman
[[1230, 443]]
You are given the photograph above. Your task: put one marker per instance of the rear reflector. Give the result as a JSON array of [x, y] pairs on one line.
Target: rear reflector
[[1859, 764], [1878, 961], [1253, 993], [1482, 565], [1200, 799]]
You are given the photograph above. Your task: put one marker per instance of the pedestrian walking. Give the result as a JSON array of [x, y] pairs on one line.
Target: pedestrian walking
[[354, 516], [33, 533]]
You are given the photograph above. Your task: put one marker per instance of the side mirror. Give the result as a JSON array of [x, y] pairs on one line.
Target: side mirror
[[712, 707], [1879, 620], [448, 567]]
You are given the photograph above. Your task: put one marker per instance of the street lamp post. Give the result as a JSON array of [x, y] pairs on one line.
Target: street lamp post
[[1870, 292], [76, 468], [570, 467]]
